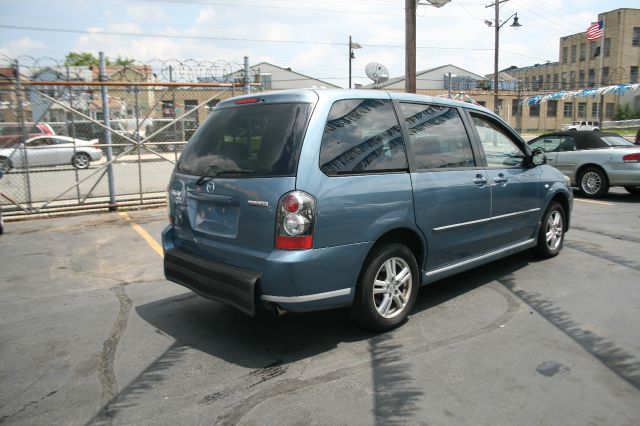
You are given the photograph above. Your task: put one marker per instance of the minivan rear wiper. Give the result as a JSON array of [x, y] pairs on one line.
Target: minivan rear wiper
[[206, 173], [221, 172]]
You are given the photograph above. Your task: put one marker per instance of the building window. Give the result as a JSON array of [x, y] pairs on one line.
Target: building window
[[568, 110], [607, 47], [534, 110], [555, 80], [605, 75], [581, 78], [595, 113], [482, 103], [565, 55], [564, 80], [635, 41], [574, 51], [515, 106], [592, 49], [592, 77], [548, 80], [633, 74], [573, 79], [582, 110], [583, 51], [608, 110], [552, 108], [499, 106]]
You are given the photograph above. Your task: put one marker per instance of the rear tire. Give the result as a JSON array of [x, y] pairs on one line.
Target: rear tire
[[551, 233], [635, 190], [387, 288], [81, 160], [593, 182]]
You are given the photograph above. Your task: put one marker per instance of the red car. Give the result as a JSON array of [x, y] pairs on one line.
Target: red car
[[11, 133]]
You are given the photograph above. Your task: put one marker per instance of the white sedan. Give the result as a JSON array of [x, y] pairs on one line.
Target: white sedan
[[51, 151]]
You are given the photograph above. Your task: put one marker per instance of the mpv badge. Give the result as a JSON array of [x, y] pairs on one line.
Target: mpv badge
[[210, 186]]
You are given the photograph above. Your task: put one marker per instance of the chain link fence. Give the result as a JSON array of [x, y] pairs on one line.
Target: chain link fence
[[59, 151]]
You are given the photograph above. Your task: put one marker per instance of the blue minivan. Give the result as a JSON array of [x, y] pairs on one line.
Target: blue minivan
[[316, 199]]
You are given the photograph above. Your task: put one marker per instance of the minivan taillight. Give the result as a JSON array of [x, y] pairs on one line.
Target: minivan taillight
[[295, 221], [632, 158]]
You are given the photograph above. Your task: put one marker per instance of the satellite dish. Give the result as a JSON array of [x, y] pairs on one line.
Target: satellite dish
[[377, 72]]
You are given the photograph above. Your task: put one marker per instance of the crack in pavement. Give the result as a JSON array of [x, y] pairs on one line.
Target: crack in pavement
[[107, 356]]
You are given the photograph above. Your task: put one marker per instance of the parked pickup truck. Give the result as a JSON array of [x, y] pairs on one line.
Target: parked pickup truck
[[581, 125]]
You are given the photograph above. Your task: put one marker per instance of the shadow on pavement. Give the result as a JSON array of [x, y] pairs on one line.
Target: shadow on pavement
[[268, 345]]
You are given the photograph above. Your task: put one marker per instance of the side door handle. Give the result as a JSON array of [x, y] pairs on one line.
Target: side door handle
[[480, 180], [500, 179]]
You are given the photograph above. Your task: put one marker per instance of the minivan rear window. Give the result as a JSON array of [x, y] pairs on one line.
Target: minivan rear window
[[248, 140]]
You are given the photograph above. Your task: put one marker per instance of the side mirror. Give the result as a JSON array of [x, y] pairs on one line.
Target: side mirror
[[538, 157]]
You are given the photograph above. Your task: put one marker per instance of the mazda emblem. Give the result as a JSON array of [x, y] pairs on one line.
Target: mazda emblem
[[210, 186]]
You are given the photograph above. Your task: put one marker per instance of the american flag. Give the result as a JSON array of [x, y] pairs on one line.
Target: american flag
[[595, 31]]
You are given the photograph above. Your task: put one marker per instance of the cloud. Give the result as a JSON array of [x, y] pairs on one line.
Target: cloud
[[146, 13], [21, 46]]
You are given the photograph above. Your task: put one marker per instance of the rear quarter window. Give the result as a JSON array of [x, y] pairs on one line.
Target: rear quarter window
[[362, 136]]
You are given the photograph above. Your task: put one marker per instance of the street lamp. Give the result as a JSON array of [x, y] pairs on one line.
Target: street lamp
[[497, 25], [352, 56], [410, 40]]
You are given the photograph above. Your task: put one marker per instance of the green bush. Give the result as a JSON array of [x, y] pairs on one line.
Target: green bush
[[627, 112]]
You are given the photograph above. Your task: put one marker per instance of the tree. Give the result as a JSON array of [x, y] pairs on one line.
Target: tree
[[82, 59], [85, 59]]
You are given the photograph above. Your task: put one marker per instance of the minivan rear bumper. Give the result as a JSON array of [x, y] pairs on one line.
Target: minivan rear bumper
[[214, 280], [297, 281]]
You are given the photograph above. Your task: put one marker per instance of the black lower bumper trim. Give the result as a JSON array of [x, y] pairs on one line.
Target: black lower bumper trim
[[214, 280]]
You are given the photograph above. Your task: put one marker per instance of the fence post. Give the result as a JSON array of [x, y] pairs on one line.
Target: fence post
[[25, 133], [107, 133], [136, 89], [247, 86], [73, 134]]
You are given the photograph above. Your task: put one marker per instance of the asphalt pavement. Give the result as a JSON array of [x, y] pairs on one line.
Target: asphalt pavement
[[93, 334]]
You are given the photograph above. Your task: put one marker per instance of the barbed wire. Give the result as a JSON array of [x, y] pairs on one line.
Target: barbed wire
[[161, 70]]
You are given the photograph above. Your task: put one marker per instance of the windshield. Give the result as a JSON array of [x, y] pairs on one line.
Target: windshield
[[250, 140], [616, 141]]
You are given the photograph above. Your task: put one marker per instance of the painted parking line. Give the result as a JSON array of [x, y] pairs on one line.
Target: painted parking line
[[604, 203], [144, 234]]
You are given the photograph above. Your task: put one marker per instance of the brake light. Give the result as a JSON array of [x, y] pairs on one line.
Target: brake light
[[295, 221], [632, 158], [247, 101]]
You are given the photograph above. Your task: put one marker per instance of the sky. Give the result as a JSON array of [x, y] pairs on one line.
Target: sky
[[310, 36]]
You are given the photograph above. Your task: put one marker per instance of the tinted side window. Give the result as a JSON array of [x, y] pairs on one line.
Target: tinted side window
[[590, 141], [362, 135], [501, 151], [437, 136]]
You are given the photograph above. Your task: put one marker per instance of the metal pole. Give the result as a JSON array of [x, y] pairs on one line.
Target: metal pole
[[107, 133], [495, 59], [601, 100], [73, 134], [247, 86], [410, 46], [349, 62], [137, 112], [24, 134]]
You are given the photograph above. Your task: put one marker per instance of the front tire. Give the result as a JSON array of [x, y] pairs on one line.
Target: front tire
[[5, 164], [594, 182], [387, 288], [635, 190], [81, 160], [551, 233]]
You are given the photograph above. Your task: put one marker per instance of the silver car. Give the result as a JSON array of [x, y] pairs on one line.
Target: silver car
[[51, 151], [594, 161]]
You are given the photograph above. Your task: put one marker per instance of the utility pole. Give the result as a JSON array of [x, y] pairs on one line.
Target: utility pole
[[410, 46]]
